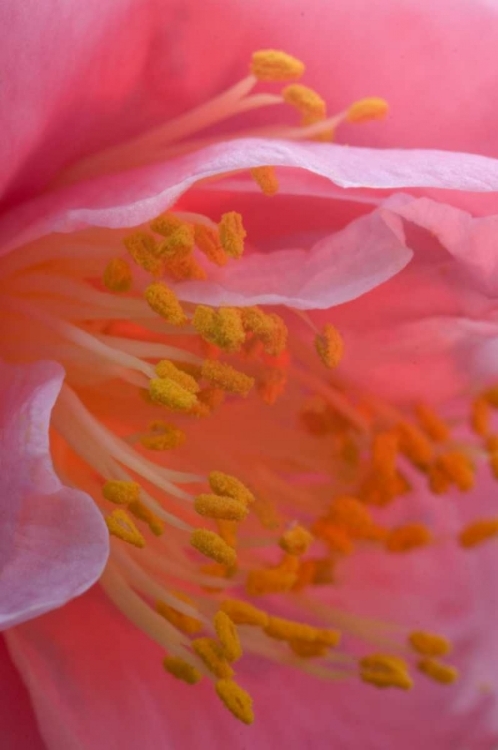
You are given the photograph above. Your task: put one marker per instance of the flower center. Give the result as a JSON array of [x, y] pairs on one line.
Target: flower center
[[235, 469]]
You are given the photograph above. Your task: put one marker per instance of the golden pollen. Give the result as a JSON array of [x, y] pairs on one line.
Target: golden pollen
[[166, 369], [436, 670], [182, 670], [225, 484], [117, 275], [478, 531], [243, 613], [165, 303], [228, 636], [226, 377], [121, 492], [429, 644], [305, 100], [232, 234], [266, 178], [372, 108], [219, 506], [169, 393], [274, 65], [329, 346], [208, 242], [211, 653], [142, 248], [120, 524], [213, 546], [238, 701]]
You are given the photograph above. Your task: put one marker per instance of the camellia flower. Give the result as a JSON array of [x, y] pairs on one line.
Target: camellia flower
[[248, 375]]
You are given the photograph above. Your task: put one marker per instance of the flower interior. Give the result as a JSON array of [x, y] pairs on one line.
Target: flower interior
[[235, 468]]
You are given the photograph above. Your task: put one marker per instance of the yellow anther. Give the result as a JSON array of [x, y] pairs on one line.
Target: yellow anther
[[491, 396], [142, 248], [306, 101], [458, 467], [270, 581], [336, 537], [220, 506], [443, 673], [232, 234], [178, 244], [226, 377], [139, 510], [117, 275], [166, 224], [372, 108], [166, 369], [184, 268], [228, 636], [308, 650], [432, 424], [384, 453], [296, 540], [381, 489], [406, 538], [415, 445], [314, 572], [120, 524], [211, 653], [121, 492], [429, 644], [385, 671], [165, 303], [329, 346], [238, 701], [163, 437], [478, 531], [208, 242], [166, 392], [221, 327], [491, 443], [287, 630], [350, 514], [270, 329], [274, 65], [243, 613], [185, 623], [225, 484], [481, 416], [266, 178], [228, 531], [182, 670], [213, 546], [439, 481], [210, 399]]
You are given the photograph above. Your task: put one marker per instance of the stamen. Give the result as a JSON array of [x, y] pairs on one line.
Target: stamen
[[218, 506], [406, 538], [270, 329], [287, 630], [243, 613], [228, 636], [212, 654], [371, 108], [183, 622], [296, 540], [164, 437], [224, 484], [432, 424], [182, 670], [306, 101], [481, 416], [121, 492], [271, 581], [429, 644], [117, 276], [178, 244], [329, 346], [415, 445], [232, 234], [385, 671], [274, 65], [185, 268], [166, 369], [166, 224], [222, 327], [266, 178], [213, 546], [120, 524], [478, 531], [165, 303], [141, 511], [351, 514], [166, 392], [238, 701], [142, 248], [458, 468], [208, 242], [226, 377], [438, 671]]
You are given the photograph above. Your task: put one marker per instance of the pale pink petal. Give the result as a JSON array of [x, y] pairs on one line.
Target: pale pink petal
[[133, 197], [338, 268], [120, 698], [53, 541], [18, 729]]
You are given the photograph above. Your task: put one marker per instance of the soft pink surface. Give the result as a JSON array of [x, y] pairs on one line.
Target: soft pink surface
[[18, 729], [53, 541], [103, 687], [122, 65]]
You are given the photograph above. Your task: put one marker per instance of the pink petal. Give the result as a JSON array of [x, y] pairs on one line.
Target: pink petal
[[131, 198], [102, 687], [18, 728], [53, 541]]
